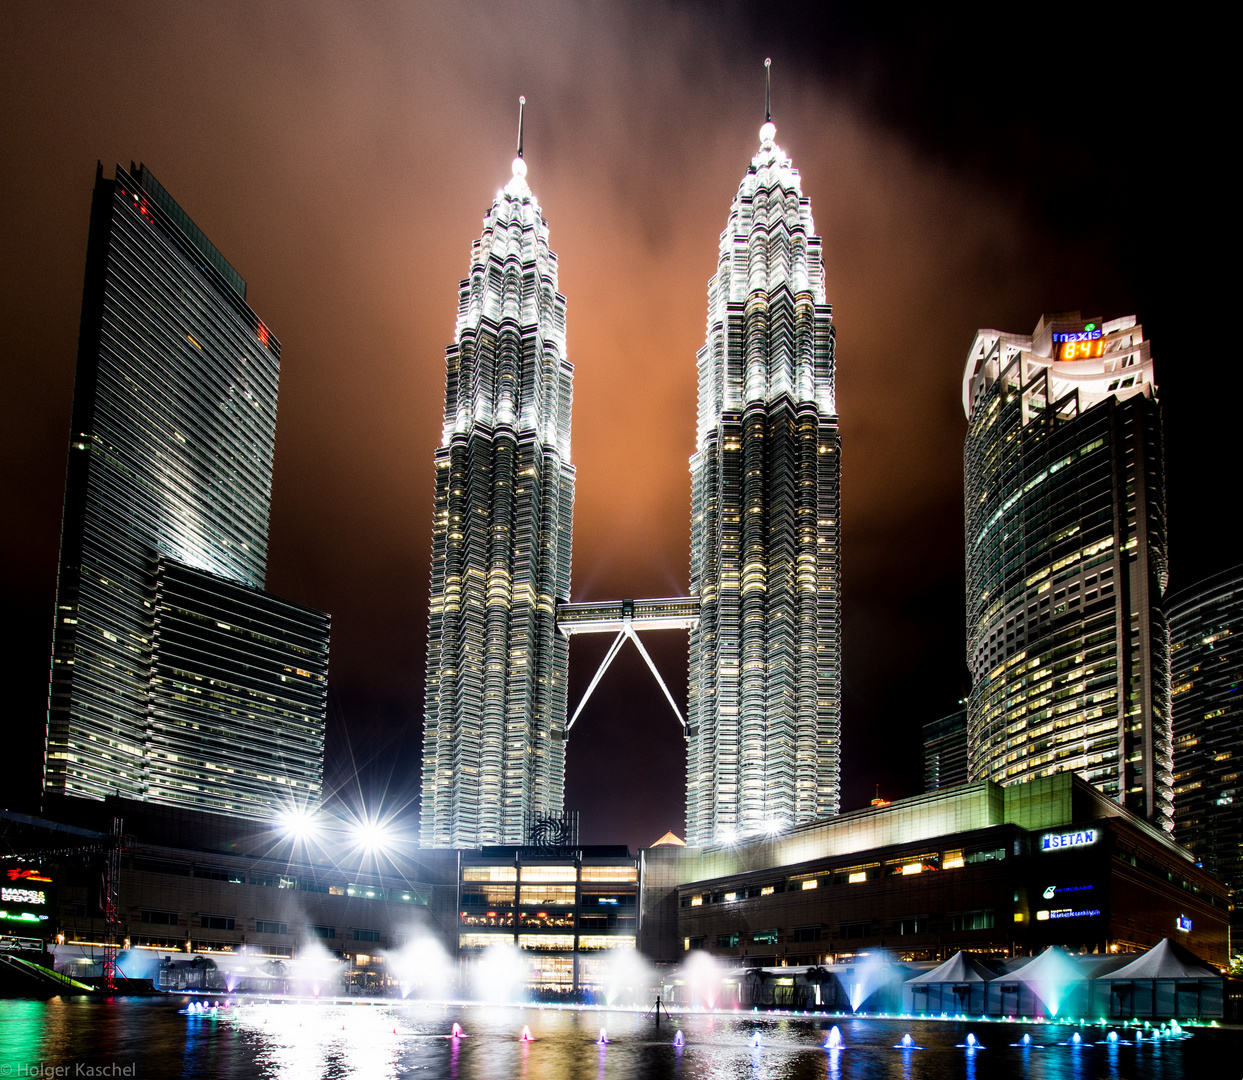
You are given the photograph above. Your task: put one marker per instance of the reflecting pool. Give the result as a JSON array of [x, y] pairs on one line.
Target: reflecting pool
[[178, 1036]]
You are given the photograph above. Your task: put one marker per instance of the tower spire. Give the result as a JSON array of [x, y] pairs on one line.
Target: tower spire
[[521, 102], [768, 94]]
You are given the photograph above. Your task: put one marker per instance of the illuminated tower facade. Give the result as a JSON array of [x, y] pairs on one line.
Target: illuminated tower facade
[[1066, 561], [175, 678], [1206, 660], [494, 725], [765, 662]]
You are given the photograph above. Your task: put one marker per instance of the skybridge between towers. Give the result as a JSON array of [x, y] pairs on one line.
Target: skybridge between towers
[[625, 618]]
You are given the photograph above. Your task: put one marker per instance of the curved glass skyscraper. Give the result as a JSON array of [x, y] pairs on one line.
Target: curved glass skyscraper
[[1206, 661], [1066, 561], [765, 667], [175, 678], [493, 749]]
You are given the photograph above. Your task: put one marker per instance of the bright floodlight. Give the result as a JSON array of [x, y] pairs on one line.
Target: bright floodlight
[[299, 824], [373, 835]]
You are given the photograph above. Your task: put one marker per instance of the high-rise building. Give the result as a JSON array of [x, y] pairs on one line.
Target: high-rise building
[[1066, 560], [765, 668], [945, 751], [1206, 660], [175, 679], [494, 724]]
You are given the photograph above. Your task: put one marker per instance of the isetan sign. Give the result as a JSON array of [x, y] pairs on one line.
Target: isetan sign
[[1058, 841]]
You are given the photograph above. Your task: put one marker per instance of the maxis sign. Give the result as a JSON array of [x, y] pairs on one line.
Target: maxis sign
[[1060, 841]]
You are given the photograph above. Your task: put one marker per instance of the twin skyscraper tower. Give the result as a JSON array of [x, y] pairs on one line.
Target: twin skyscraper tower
[[763, 716]]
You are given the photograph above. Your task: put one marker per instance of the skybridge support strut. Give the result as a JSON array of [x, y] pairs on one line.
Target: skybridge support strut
[[670, 613]]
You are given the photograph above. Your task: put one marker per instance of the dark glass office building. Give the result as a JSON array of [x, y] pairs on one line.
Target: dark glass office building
[[164, 539], [1206, 660], [1066, 561], [945, 751]]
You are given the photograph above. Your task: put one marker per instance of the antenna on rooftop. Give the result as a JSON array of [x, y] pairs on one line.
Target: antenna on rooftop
[[521, 102], [768, 91]]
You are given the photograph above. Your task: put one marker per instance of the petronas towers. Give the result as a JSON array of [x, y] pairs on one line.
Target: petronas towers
[[765, 674], [763, 723], [496, 667]]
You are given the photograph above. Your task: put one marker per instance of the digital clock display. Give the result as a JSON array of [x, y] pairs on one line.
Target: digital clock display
[[1082, 344]]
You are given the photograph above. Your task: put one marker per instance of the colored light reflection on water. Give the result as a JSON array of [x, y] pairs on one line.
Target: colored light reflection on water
[[300, 1040]]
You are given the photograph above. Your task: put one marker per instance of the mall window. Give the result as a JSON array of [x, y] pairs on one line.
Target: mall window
[[220, 873], [764, 937], [610, 873], [595, 943], [215, 922], [986, 855], [972, 920], [263, 926], [489, 873], [727, 941], [546, 895], [487, 895], [483, 941], [549, 873], [546, 942], [274, 881]]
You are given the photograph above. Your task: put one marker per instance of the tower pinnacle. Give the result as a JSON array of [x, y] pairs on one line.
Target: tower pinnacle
[[520, 166], [769, 131]]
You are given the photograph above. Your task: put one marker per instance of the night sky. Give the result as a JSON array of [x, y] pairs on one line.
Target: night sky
[[963, 174]]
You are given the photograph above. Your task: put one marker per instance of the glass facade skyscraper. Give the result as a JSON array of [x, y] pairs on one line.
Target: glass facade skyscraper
[[765, 665], [1066, 560], [1206, 658], [494, 723], [945, 751], [164, 538]]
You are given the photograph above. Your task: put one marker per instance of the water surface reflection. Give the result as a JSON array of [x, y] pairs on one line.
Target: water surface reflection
[[300, 1040]]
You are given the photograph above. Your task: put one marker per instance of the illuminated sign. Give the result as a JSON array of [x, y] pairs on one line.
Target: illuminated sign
[[1055, 890], [23, 896], [1066, 913], [15, 874], [1058, 841], [1080, 344], [1184, 923]]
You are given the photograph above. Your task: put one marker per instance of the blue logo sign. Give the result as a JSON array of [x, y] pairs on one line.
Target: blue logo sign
[[1184, 924], [1066, 913], [1090, 334], [1057, 841], [1054, 890]]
